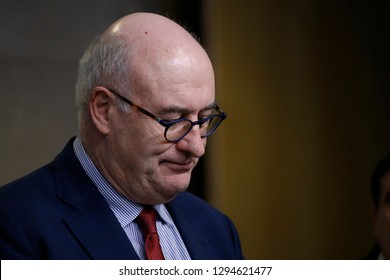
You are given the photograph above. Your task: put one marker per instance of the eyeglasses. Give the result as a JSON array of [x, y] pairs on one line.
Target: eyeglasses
[[177, 129]]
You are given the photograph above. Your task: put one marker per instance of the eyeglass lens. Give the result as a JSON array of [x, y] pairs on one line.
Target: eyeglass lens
[[178, 130]]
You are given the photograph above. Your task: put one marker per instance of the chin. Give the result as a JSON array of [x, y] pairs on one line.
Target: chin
[[177, 186], [171, 185], [169, 193]]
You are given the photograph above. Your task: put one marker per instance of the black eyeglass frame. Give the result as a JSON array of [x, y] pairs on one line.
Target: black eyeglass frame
[[167, 123]]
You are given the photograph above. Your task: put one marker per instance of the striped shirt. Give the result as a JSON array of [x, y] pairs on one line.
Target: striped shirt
[[126, 211]]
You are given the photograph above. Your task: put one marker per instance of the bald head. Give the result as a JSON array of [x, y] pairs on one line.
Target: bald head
[[138, 51], [146, 31], [157, 45]]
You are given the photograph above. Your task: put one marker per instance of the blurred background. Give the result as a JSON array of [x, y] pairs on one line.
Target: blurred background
[[305, 84]]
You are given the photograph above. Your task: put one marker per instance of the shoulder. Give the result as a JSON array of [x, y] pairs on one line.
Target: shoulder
[[32, 188], [29, 186]]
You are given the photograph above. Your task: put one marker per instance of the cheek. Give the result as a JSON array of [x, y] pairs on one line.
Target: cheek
[[141, 132], [147, 150], [142, 143]]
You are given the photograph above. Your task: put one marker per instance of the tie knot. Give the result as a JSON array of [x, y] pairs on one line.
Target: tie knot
[[146, 220]]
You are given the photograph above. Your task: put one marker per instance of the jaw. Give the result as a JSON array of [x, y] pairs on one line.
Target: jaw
[[159, 187]]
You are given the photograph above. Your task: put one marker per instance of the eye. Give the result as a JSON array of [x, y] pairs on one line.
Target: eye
[[205, 114], [171, 117]]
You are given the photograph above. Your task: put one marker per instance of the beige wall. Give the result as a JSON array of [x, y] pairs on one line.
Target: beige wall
[[304, 129]]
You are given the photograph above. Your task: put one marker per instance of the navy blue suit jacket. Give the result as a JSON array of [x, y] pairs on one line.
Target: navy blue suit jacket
[[57, 212]]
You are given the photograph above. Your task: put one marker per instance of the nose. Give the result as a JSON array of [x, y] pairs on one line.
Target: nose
[[193, 143]]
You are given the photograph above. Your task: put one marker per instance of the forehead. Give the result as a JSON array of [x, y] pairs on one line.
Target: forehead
[[179, 81], [184, 99]]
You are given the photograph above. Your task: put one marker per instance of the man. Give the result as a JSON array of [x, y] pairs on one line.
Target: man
[[380, 190], [146, 104]]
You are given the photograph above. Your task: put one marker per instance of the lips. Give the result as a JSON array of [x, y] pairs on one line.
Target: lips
[[179, 166]]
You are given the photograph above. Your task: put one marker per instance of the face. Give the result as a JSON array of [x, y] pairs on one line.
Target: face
[[148, 169], [382, 217]]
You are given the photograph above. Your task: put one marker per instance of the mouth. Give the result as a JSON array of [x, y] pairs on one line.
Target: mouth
[[179, 166]]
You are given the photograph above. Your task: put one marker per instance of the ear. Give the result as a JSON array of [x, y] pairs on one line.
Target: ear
[[99, 108]]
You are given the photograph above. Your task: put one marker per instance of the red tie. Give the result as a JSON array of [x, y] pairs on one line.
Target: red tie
[[147, 222]]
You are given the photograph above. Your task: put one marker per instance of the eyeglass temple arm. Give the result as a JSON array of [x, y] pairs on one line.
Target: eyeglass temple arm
[[132, 104]]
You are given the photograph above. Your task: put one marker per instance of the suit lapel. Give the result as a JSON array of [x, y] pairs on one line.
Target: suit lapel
[[192, 236], [91, 222], [98, 231]]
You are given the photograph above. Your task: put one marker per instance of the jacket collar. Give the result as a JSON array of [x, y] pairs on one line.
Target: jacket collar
[[192, 235], [91, 222]]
